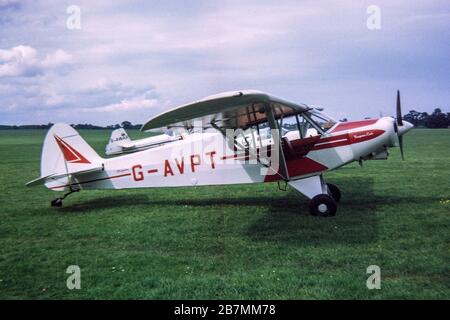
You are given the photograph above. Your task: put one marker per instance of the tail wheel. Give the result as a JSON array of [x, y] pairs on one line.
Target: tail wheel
[[57, 203], [323, 205], [334, 192]]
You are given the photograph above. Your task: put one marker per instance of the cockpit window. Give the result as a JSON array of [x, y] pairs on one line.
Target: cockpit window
[[321, 120], [298, 126], [305, 124]]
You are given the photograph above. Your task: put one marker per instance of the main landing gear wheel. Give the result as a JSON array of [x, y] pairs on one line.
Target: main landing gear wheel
[[323, 205], [334, 192]]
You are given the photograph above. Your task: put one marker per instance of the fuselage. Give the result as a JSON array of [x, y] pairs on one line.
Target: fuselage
[[210, 158]]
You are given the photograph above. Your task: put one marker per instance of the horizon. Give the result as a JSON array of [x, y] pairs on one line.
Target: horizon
[[115, 125]]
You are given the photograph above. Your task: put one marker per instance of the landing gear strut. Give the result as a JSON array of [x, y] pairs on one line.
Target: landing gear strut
[[58, 201], [334, 192]]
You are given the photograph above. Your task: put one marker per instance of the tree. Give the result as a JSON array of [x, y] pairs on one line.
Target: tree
[[437, 119], [127, 125], [414, 117]]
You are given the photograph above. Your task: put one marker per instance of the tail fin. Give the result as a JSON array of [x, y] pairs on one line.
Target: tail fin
[[119, 139], [65, 153]]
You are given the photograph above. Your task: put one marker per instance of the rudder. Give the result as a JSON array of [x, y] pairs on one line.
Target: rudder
[[66, 152], [119, 138]]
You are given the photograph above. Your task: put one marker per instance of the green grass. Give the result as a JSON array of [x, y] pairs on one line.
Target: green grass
[[246, 241]]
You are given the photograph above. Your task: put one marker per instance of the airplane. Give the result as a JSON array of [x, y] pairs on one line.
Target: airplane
[[120, 142], [230, 138]]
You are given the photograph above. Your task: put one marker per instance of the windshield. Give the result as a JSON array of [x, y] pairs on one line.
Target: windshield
[[305, 124], [321, 120]]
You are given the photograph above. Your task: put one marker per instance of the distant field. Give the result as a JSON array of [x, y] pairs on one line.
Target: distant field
[[232, 242]]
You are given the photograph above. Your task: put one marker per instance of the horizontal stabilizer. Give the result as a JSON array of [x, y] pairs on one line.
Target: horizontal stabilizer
[[120, 142], [127, 146], [56, 176]]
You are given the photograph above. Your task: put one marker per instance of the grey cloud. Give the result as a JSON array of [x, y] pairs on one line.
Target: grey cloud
[[24, 61]]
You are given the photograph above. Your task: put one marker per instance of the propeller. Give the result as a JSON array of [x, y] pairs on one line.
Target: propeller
[[398, 123]]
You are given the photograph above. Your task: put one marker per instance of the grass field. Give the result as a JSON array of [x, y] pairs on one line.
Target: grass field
[[233, 242]]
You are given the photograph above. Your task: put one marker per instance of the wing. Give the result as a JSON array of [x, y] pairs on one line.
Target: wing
[[226, 110]]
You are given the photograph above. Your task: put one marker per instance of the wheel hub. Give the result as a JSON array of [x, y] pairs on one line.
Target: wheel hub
[[322, 208]]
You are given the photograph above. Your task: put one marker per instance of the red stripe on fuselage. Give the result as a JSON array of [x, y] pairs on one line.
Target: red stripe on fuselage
[[347, 139], [361, 136], [331, 142], [353, 124]]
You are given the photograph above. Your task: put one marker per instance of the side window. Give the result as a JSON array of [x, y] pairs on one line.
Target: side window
[[304, 126], [292, 127], [254, 137], [297, 127], [288, 124]]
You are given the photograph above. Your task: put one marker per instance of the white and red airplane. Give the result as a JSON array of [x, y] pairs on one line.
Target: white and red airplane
[[229, 138]]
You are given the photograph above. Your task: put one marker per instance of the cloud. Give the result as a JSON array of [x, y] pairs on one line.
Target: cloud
[[130, 98], [18, 61], [23, 61], [57, 59], [138, 103]]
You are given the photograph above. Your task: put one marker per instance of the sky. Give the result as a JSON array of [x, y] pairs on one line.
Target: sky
[[130, 60]]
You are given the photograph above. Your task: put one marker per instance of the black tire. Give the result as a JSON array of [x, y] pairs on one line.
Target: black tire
[[323, 205], [334, 192]]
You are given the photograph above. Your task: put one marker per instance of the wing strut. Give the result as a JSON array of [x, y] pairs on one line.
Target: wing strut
[[277, 137]]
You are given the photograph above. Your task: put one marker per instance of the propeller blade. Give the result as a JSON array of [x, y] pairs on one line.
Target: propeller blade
[[400, 142], [399, 110]]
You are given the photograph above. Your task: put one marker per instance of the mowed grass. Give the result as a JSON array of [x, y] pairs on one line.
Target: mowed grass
[[230, 242]]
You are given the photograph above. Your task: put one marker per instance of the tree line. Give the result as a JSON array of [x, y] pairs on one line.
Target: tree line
[[124, 124], [437, 119]]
